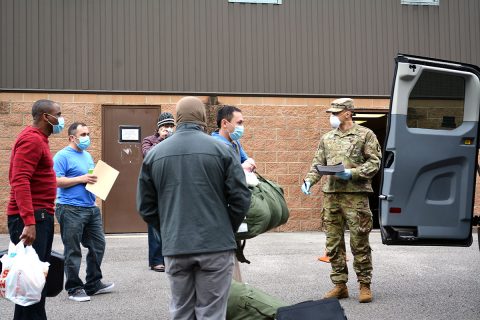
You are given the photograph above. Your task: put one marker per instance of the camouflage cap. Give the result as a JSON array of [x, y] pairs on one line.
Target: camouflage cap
[[341, 104]]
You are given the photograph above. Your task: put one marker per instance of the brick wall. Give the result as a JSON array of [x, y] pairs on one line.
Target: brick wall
[[281, 134]]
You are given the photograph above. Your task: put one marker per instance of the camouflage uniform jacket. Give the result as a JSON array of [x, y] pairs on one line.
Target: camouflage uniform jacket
[[358, 149]]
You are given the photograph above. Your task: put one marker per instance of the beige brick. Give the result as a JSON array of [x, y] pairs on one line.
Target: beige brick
[[274, 168], [261, 156], [295, 101], [248, 111], [311, 225], [104, 98], [251, 100], [274, 101], [12, 131], [287, 179], [133, 99], [12, 119], [61, 97], [89, 98], [115, 100], [229, 100], [262, 134], [32, 97], [317, 101], [169, 108], [21, 107], [289, 133], [287, 156], [12, 96], [256, 122], [264, 111], [174, 99], [384, 103], [5, 107], [157, 99], [362, 103]]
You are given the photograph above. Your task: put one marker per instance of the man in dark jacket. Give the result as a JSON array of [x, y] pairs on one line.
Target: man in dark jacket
[[193, 189], [165, 126]]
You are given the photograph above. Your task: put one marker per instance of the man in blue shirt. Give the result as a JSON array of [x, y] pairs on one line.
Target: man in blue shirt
[[79, 218], [230, 130]]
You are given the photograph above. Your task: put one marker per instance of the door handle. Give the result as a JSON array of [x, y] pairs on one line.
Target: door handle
[[385, 197]]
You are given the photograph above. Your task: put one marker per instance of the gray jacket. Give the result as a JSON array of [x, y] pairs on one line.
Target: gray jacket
[[194, 188]]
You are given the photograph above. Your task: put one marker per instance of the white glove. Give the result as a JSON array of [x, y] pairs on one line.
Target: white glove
[[306, 187]]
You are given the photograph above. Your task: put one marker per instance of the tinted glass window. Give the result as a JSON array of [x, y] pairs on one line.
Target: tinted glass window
[[436, 101]]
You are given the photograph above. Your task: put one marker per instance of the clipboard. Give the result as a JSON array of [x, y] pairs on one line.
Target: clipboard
[[330, 170], [106, 176]]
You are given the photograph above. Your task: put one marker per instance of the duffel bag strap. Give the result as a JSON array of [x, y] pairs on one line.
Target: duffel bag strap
[[239, 251]]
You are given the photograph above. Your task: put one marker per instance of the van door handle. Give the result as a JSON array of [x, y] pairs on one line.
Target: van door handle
[[385, 197]]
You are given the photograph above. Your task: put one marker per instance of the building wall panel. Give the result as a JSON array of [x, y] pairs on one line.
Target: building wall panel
[[301, 47]]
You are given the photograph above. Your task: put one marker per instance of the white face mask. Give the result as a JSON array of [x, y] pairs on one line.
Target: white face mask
[[334, 121]]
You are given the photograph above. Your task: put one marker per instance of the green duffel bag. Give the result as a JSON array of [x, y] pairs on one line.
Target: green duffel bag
[[268, 209], [276, 201], [248, 303]]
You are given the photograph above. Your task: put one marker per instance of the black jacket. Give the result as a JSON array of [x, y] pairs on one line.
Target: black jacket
[[194, 188]]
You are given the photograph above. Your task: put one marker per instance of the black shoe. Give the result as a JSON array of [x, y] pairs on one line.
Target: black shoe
[[102, 288]]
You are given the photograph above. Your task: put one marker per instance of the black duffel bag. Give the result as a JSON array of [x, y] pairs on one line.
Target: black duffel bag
[[325, 309]]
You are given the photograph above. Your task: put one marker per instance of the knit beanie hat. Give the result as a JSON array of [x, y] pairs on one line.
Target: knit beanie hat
[[191, 109], [165, 118]]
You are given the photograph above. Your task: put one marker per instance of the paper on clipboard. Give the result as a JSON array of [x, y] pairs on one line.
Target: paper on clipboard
[[106, 177]]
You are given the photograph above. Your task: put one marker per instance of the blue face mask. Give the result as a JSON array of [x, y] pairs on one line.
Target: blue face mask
[[57, 128], [83, 142], [237, 133]]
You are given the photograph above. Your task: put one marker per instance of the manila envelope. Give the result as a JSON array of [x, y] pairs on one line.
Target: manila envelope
[[106, 177]]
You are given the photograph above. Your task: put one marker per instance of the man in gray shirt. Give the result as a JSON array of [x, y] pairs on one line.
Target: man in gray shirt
[[193, 189]]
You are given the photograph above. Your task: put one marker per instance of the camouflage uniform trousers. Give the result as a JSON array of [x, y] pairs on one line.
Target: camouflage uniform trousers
[[353, 210]]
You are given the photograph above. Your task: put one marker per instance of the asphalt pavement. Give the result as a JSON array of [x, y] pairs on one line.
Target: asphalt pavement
[[408, 282]]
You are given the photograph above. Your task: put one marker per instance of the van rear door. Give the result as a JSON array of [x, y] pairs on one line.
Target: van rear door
[[429, 165]]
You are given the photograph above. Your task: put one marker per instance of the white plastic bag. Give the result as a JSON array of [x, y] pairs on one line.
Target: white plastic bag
[[26, 278], [7, 260]]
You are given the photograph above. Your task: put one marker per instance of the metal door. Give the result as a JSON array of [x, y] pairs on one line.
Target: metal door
[[124, 128], [429, 164]]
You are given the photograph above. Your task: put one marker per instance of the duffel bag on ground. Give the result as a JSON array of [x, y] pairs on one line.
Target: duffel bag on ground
[[325, 309], [248, 303]]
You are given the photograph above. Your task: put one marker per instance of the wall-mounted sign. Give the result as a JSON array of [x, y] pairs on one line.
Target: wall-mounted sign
[[129, 133]]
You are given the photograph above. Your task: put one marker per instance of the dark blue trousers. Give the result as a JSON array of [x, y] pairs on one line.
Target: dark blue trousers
[[155, 256]]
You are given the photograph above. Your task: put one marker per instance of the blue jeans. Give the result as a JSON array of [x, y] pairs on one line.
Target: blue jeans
[[81, 225], [155, 256], [43, 247]]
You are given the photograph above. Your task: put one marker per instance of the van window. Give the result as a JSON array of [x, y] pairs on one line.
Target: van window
[[436, 101]]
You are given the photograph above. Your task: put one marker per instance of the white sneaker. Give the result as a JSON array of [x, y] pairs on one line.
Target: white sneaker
[[79, 295]]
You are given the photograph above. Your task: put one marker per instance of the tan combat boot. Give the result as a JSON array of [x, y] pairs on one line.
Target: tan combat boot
[[365, 293], [340, 291]]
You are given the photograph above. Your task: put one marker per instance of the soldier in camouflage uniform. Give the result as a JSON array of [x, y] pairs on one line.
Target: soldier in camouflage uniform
[[346, 195]]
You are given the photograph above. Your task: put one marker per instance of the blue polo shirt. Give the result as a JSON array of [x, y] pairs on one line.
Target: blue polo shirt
[[233, 144], [71, 163]]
